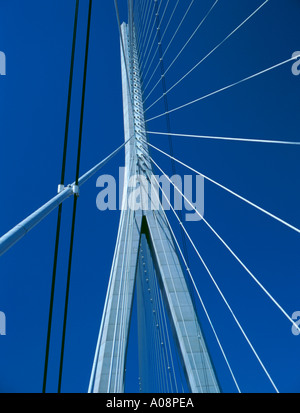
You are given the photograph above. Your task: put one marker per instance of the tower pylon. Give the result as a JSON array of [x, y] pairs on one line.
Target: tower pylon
[[144, 223]]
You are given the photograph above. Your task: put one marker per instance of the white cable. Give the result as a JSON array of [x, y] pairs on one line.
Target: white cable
[[144, 7], [226, 189], [230, 250], [194, 284], [155, 318], [169, 21], [223, 88], [138, 24], [142, 63], [224, 299], [154, 71], [145, 20], [159, 306], [169, 44], [149, 23], [178, 303], [193, 34], [225, 138], [212, 51], [170, 352], [149, 52]]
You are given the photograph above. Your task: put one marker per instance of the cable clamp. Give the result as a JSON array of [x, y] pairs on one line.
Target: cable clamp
[[75, 189], [60, 188]]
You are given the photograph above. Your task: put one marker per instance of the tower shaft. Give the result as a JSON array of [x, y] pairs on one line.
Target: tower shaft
[[108, 373]]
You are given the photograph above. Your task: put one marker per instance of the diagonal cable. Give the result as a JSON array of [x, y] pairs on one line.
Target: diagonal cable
[[143, 65], [222, 295], [193, 282], [225, 88], [147, 52], [226, 138], [170, 42], [192, 35], [211, 52], [163, 35], [230, 250], [168, 122], [227, 189]]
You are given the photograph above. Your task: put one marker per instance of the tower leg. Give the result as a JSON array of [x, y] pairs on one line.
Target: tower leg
[[109, 372]]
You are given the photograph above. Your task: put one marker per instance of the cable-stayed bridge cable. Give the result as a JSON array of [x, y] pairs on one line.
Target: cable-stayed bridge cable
[[145, 61], [225, 88], [168, 124], [224, 138], [231, 251], [193, 281], [206, 56], [228, 190], [62, 180], [75, 197], [169, 44], [225, 300], [192, 35]]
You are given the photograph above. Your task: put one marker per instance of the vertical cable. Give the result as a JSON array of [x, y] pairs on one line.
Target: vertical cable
[[75, 197], [60, 206]]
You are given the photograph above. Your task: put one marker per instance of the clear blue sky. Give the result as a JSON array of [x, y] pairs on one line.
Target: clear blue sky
[[36, 37]]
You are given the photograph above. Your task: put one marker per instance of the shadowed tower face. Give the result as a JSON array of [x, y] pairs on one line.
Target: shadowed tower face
[[146, 259]]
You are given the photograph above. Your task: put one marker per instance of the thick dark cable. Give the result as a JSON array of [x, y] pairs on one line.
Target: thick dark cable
[[60, 206], [67, 294], [69, 96], [75, 197]]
